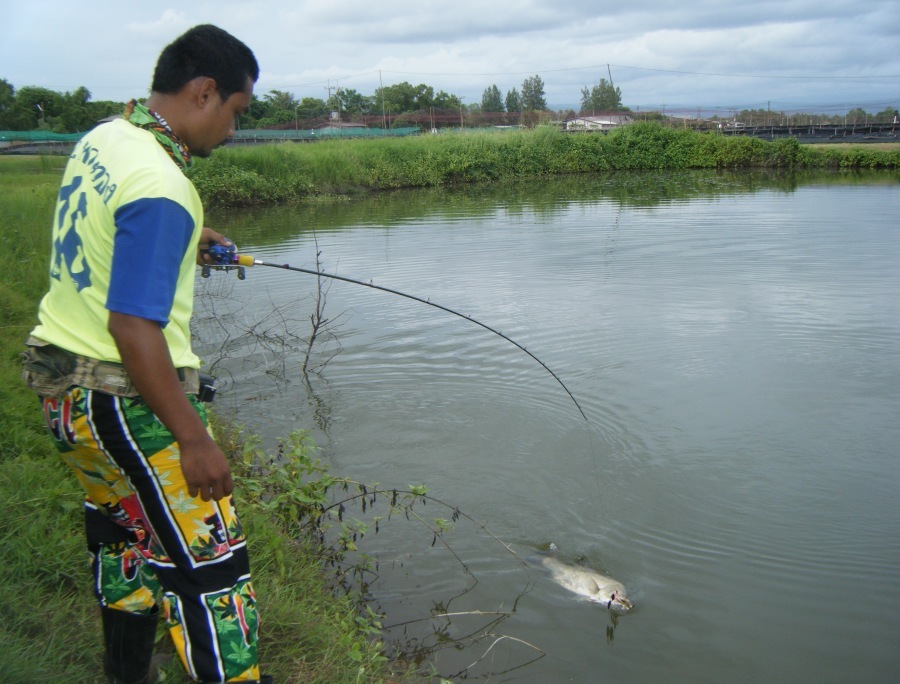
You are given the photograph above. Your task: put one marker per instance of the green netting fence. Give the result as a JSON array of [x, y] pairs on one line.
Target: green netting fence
[[39, 136], [12, 139], [311, 134]]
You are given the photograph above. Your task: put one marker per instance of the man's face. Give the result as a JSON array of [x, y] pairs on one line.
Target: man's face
[[218, 119]]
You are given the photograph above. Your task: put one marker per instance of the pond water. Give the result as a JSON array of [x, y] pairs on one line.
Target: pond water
[[734, 343]]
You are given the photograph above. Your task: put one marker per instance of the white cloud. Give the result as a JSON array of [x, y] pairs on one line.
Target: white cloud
[[160, 28], [789, 53]]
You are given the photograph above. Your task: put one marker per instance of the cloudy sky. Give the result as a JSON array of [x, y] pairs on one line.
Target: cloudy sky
[[787, 55]]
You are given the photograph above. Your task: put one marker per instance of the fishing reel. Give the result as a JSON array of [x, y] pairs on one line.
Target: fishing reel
[[225, 258]]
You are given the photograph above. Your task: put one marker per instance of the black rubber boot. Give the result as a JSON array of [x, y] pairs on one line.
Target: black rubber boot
[[129, 640]]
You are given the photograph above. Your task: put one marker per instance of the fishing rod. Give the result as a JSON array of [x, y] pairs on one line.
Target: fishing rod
[[227, 258]]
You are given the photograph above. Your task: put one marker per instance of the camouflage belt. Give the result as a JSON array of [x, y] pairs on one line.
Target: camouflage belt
[[50, 371]]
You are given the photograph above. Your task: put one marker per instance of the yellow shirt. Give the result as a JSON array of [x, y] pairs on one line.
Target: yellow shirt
[[125, 232]]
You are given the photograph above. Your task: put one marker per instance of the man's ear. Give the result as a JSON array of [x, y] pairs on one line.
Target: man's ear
[[206, 91]]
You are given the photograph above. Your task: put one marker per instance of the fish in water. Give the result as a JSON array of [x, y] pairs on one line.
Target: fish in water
[[588, 583]]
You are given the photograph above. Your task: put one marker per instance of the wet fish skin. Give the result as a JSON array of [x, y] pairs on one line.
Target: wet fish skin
[[588, 583]]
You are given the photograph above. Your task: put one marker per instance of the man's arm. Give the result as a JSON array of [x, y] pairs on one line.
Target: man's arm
[[146, 358]]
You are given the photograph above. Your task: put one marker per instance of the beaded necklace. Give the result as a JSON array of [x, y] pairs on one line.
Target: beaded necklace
[[145, 118]]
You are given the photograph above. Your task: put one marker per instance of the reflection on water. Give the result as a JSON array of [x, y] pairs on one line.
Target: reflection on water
[[734, 342]]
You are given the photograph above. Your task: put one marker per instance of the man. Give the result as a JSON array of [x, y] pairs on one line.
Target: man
[[112, 361]]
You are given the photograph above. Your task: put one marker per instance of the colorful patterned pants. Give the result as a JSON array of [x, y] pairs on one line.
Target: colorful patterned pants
[[151, 542]]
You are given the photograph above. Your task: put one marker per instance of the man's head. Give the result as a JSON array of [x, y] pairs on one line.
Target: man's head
[[203, 81], [205, 50]]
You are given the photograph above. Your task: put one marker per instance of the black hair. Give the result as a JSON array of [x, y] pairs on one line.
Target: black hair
[[205, 50]]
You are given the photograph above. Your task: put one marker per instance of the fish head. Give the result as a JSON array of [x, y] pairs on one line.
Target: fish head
[[619, 602], [613, 598]]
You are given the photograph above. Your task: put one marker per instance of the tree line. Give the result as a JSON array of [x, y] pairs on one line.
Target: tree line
[[402, 104], [279, 108], [32, 108], [36, 108]]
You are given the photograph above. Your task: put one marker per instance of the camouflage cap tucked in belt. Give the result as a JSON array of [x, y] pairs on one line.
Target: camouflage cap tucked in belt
[[50, 371]]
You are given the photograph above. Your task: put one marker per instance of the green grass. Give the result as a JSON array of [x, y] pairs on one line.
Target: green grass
[[49, 624], [285, 173]]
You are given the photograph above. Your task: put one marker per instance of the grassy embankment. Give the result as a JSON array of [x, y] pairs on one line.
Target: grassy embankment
[[296, 172], [50, 631], [49, 627]]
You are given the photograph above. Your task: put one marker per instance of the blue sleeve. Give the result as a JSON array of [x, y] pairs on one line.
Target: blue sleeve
[[152, 235]]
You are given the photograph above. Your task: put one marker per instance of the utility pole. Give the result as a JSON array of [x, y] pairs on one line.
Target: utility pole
[[337, 90], [383, 117]]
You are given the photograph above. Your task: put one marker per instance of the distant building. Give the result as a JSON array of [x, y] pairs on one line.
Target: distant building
[[339, 125], [600, 122]]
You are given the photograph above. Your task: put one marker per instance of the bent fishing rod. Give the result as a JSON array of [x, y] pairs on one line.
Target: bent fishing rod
[[227, 258]]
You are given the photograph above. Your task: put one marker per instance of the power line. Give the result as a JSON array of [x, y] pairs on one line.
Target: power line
[[829, 77], [637, 68]]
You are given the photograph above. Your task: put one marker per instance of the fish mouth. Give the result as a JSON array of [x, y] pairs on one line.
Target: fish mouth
[[623, 603], [619, 603]]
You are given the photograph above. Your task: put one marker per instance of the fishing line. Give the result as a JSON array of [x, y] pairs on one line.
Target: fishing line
[[226, 258]]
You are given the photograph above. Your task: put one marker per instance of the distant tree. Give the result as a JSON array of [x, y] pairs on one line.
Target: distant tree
[[533, 94], [603, 97], [353, 102], [397, 98], [312, 108], [279, 100], [857, 116], [34, 108], [75, 114], [753, 117], [424, 97], [30, 108], [280, 107], [884, 116], [513, 101], [102, 109], [491, 100], [81, 96], [402, 98], [7, 99], [446, 101]]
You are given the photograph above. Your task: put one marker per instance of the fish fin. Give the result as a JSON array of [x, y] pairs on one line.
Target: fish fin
[[594, 587]]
